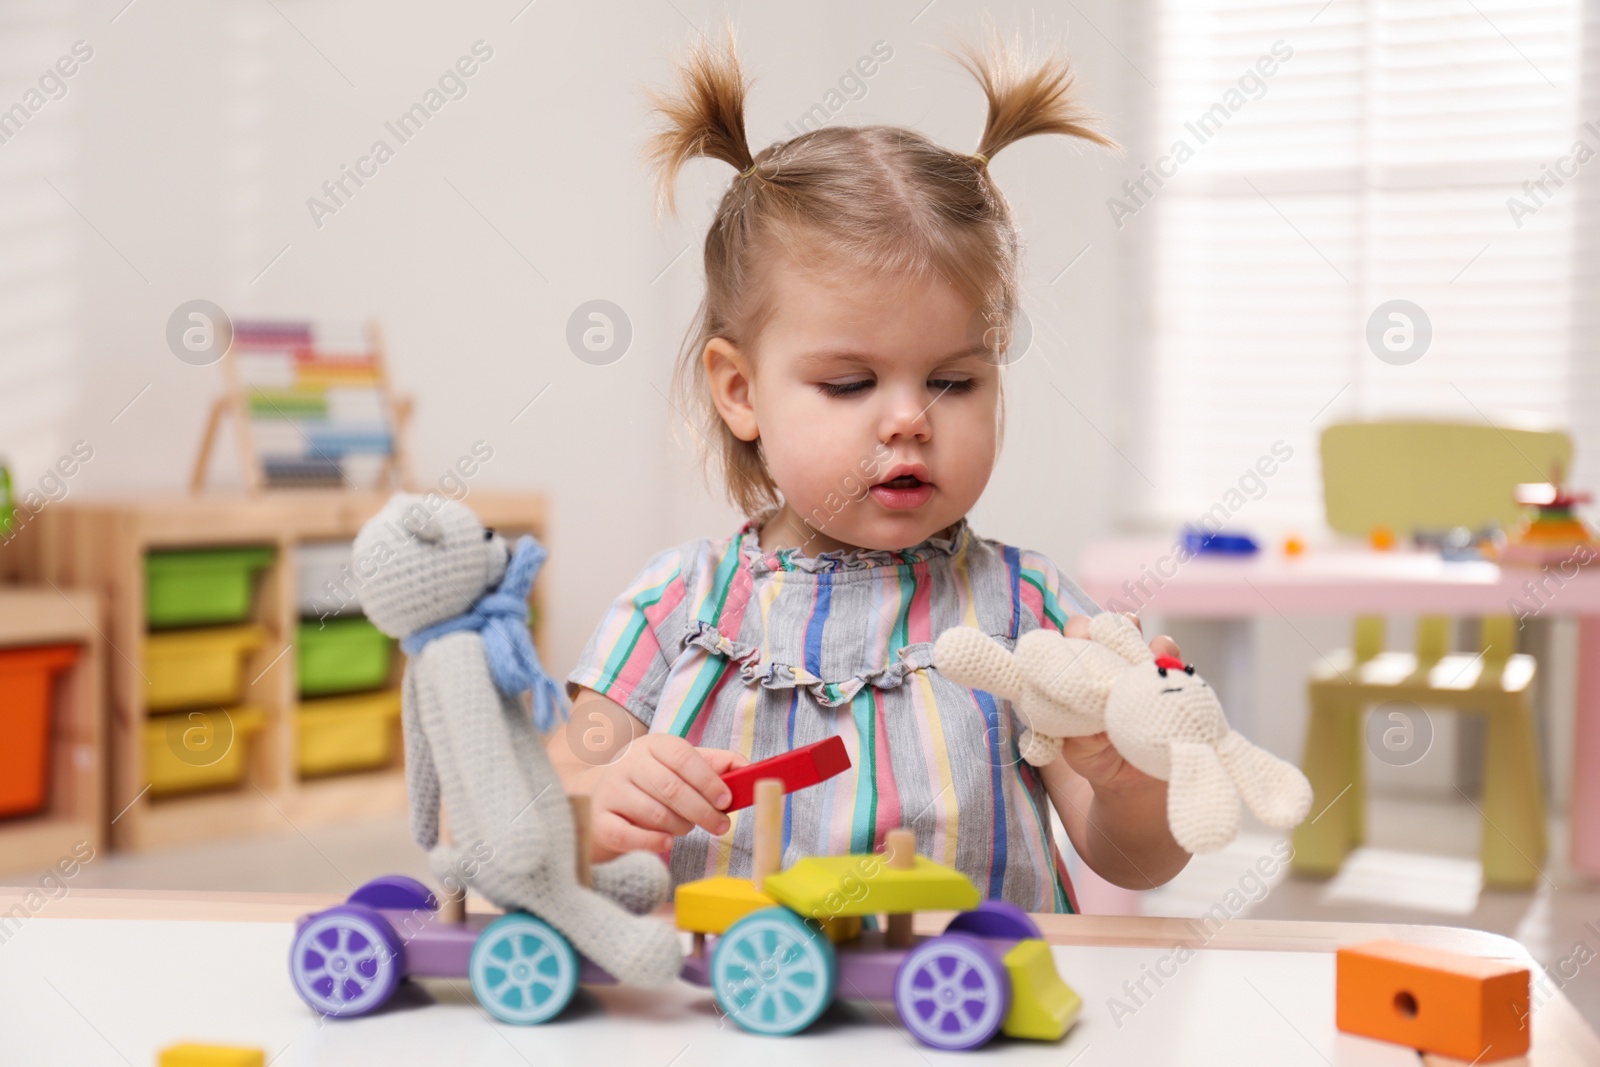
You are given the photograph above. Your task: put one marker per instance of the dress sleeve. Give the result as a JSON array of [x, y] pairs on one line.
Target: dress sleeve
[[1048, 595], [630, 652]]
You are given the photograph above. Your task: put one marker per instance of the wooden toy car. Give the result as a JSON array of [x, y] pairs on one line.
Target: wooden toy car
[[348, 960], [775, 949]]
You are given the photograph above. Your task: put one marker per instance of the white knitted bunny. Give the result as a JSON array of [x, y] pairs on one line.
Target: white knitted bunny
[[1162, 717]]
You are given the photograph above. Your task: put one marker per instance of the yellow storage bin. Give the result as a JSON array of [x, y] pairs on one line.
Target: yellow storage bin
[[189, 668], [192, 750], [349, 733]]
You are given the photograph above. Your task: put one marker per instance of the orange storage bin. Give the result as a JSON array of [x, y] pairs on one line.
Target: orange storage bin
[[27, 682]]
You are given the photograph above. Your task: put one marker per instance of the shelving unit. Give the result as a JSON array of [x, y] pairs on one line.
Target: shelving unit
[[102, 545], [75, 809]]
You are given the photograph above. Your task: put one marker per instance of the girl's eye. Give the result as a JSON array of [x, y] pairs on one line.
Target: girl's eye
[[951, 385], [844, 388]]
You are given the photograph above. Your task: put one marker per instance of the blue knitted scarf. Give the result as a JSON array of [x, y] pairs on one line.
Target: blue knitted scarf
[[501, 615]]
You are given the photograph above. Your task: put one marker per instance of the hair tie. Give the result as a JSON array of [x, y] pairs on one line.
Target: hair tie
[[748, 173], [983, 160]]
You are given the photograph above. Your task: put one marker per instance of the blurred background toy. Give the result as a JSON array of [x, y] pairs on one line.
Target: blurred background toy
[[1552, 531], [1219, 543]]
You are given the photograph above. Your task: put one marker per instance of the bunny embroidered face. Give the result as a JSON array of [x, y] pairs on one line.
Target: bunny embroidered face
[[423, 559], [1156, 703]]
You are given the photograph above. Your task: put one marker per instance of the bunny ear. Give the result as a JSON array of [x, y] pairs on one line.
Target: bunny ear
[[1202, 803], [1119, 633], [1275, 790], [972, 658]]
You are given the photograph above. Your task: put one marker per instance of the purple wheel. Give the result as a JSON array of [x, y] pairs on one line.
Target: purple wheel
[[995, 918], [395, 891], [952, 992], [346, 961]]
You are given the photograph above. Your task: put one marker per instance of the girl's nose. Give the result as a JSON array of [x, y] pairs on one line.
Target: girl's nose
[[907, 417]]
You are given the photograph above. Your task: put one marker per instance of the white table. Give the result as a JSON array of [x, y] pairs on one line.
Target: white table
[[109, 977]]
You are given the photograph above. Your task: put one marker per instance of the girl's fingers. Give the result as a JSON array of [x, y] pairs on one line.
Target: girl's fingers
[[722, 760], [1077, 626], [664, 783], [686, 763], [639, 807], [611, 831]]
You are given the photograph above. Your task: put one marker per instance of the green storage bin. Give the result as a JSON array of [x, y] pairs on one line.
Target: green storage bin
[[195, 587], [341, 655]]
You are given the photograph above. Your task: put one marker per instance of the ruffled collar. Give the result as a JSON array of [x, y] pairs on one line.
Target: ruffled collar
[[949, 542]]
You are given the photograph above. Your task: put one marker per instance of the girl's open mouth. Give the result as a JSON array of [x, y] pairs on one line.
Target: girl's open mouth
[[903, 492]]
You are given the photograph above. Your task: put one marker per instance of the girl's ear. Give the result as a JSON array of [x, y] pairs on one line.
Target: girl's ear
[[728, 373]]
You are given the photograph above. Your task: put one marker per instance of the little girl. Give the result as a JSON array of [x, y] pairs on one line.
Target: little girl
[[848, 385]]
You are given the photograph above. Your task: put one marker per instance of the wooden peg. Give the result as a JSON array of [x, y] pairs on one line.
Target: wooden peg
[[453, 897], [580, 835], [902, 849], [453, 905], [901, 845], [767, 855]]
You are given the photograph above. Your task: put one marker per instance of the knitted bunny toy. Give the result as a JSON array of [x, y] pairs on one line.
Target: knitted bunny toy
[[1162, 717], [459, 601]]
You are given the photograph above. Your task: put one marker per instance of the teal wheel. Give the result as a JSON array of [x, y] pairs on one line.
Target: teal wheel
[[772, 973], [522, 971]]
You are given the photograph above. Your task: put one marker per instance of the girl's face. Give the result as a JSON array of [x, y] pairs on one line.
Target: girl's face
[[875, 402]]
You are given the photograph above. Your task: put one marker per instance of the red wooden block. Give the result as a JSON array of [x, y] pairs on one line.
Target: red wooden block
[[797, 769]]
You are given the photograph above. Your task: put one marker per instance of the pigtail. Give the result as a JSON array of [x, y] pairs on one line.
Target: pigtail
[[704, 118], [1028, 94]]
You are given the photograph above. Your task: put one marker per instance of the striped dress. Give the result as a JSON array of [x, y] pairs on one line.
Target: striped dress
[[731, 647]]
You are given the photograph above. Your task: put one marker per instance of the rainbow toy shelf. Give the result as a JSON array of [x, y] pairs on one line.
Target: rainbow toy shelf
[[232, 713]]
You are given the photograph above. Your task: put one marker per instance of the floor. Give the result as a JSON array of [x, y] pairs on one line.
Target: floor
[[1419, 868]]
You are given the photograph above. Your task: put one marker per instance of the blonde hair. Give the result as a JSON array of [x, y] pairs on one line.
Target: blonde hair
[[885, 197]]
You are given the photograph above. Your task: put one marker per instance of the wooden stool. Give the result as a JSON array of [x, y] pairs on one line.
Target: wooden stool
[[1495, 683]]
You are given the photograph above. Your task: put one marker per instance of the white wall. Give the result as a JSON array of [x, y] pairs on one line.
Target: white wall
[[184, 152]]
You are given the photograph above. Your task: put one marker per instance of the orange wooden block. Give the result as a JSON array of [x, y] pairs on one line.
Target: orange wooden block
[[1435, 1001]]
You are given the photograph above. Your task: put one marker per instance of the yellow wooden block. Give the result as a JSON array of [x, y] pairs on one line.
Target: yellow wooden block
[[823, 887], [191, 1055], [1043, 1007], [711, 905]]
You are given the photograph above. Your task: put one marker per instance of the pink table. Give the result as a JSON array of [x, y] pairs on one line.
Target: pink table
[[1144, 574]]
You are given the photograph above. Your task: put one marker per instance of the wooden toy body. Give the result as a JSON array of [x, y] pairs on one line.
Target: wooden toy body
[[1041, 1006], [764, 956], [1468, 1008], [347, 960]]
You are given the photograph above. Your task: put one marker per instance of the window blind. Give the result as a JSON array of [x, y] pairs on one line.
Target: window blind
[[39, 237], [1324, 159]]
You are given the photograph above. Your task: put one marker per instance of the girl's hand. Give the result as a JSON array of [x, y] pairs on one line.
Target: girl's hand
[[1093, 756], [659, 788]]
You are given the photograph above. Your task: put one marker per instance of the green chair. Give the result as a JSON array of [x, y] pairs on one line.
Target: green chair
[[1410, 475]]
